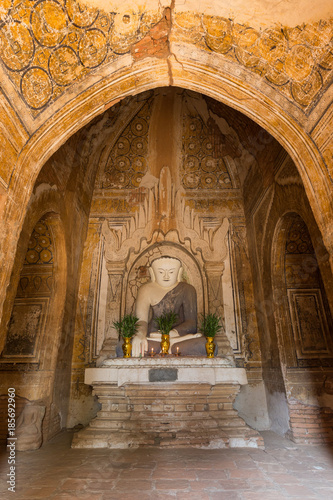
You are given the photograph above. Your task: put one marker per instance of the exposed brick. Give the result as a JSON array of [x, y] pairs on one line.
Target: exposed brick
[[169, 484], [155, 43]]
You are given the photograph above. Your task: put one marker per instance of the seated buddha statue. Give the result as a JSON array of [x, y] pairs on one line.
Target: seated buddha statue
[[166, 293]]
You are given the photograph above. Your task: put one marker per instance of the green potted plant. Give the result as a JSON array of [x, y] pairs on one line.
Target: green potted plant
[[211, 324], [165, 323], [127, 328]]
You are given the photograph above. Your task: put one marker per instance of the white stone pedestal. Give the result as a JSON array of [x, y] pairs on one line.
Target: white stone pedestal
[[170, 401]]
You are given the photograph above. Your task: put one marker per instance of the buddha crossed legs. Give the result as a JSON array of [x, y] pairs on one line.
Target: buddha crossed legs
[[166, 293]]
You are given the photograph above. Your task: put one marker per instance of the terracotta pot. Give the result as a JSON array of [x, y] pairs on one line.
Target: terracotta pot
[[210, 347], [127, 347]]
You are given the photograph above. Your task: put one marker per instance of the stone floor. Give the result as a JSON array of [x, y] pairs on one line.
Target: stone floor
[[283, 471]]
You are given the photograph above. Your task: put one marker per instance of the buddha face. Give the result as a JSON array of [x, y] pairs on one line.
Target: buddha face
[[166, 271]]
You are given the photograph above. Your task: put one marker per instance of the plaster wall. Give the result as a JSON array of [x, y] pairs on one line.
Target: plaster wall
[[181, 129], [273, 65]]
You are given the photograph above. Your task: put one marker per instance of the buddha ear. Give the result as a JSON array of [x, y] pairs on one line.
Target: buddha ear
[[152, 274], [180, 273]]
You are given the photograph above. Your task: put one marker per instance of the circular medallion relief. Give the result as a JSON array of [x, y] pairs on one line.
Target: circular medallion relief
[[191, 181], [139, 146], [45, 255], [125, 31], [44, 241], [305, 92], [272, 44], [299, 63], [123, 146], [246, 50], [32, 257], [119, 180], [139, 164], [139, 127], [208, 146], [36, 87], [292, 247], [192, 147], [209, 164], [122, 163], [49, 23], [16, 46], [218, 33], [208, 181], [81, 15], [40, 228], [194, 128], [137, 178], [224, 180], [92, 48], [63, 65], [192, 164], [126, 23]]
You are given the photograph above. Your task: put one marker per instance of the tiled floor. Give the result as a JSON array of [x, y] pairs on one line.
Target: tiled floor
[[282, 471]]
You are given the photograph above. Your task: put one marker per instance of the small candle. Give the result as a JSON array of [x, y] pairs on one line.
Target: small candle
[[152, 351], [177, 351]]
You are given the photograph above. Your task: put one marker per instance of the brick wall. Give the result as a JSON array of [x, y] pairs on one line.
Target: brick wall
[[310, 424]]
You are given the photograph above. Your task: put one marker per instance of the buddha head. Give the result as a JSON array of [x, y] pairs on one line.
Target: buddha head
[[166, 271]]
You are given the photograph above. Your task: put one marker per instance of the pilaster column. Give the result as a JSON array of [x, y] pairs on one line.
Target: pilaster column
[[214, 273], [116, 271]]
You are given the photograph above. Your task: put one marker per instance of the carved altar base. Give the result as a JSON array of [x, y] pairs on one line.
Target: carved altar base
[[167, 402]]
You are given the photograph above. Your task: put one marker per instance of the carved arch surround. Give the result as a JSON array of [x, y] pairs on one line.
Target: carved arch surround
[[271, 260], [210, 79], [191, 267], [48, 205]]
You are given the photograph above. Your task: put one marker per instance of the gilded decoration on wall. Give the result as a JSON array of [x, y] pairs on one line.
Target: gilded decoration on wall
[[40, 245], [48, 45], [127, 161], [28, 318], [296, 61], [203, 150]]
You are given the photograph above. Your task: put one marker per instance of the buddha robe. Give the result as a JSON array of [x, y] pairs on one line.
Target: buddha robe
[[181, 300]]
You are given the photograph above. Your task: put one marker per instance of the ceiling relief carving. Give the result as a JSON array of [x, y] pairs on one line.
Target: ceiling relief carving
[[40, 245], [298, 239], [127, 161], [205, 238], [47, 46], [203, 150], [296, 61], [28, 317]]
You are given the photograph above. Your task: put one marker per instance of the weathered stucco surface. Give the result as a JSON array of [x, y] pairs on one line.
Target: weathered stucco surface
[[87, 125]]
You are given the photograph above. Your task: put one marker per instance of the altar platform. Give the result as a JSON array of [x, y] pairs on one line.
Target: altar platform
[[167, 402]]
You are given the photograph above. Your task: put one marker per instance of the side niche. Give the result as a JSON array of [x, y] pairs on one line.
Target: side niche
[[310, 315], [29, 313]]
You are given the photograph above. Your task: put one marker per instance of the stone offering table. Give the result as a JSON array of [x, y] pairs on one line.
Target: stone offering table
[[171, 401]]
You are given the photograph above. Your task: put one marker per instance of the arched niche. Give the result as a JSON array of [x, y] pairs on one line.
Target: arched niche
[[129, 79], [30, 311], [33, 312], [302, 313], [300, 326], [138, 273]]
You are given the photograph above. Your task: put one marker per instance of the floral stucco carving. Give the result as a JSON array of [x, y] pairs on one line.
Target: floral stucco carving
[[47, 46]]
